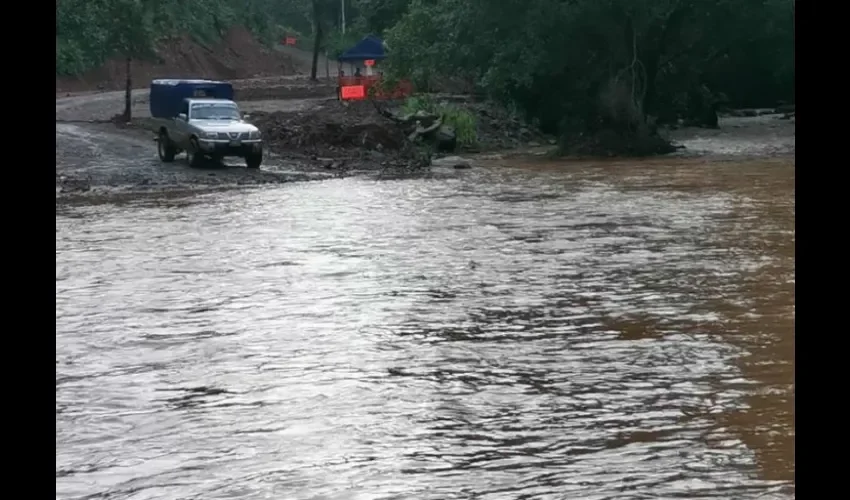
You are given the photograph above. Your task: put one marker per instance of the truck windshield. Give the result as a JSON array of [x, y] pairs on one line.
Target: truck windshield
[[214, 112]]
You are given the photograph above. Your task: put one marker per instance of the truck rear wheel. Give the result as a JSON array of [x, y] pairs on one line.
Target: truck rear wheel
[[165, 148]]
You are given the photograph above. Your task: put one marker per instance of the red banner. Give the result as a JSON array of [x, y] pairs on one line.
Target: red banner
[[402, 88], [353, 92], [290, 40]]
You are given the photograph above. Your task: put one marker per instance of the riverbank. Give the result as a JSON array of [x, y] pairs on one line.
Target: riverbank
[[312, 136], [309, 136]]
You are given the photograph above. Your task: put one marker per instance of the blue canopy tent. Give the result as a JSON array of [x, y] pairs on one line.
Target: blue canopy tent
[[370, 47]]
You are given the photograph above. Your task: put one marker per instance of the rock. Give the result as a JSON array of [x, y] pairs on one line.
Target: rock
[[553, 142], [377, 156], [446, 139], [451, 161], [534, 144]]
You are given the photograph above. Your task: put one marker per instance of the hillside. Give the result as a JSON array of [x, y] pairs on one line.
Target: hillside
[[237, 55]]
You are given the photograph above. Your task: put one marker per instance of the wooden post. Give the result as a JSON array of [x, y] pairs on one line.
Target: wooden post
[[128, 93]]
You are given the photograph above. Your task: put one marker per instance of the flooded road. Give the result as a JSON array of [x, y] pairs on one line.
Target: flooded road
[[544, 332]]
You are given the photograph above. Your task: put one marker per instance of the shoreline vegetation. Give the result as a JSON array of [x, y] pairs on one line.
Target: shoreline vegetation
[[601, 78]]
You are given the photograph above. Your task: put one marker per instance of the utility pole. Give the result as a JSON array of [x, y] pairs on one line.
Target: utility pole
[[342, 7]]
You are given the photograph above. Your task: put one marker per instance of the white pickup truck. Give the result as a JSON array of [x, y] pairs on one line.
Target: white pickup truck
[[208, 128]]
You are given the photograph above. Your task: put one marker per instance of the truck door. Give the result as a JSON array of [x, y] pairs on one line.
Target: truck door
[[181, 127]]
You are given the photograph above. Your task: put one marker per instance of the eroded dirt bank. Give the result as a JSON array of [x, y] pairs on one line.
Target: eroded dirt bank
[[237, 55]]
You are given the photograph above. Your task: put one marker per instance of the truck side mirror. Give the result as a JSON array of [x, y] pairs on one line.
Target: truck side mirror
[[181, 116]]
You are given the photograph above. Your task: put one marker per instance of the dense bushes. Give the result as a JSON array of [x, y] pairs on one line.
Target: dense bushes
[[461, 121], [586, 67]]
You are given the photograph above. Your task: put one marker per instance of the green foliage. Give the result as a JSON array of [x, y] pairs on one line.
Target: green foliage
[[336, 43], [461, 120], [88, 32], [81, 35], [586, 65], [376, 16]]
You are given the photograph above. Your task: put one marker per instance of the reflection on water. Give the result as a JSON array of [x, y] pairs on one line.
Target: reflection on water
[[546, 332]]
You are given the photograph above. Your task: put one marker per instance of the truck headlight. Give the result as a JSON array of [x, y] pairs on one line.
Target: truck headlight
[[255, 134], [209, 135]]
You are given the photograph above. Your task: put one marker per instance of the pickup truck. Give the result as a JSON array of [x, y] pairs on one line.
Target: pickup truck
[[200, 118]]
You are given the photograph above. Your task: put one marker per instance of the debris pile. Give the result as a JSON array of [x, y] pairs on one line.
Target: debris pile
[[348, 132]]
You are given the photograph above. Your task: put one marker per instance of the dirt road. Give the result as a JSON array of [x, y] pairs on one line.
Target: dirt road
[[94, 156], [288, 91], [303, 61]]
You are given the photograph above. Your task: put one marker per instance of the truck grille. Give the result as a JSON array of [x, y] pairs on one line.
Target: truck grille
[[233, 136]]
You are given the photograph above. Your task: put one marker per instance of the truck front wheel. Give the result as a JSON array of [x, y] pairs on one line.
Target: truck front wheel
[[254, 160], [193, 153], [165, 148]]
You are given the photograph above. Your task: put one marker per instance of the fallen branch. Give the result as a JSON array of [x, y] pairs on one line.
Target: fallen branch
[[422, 131]]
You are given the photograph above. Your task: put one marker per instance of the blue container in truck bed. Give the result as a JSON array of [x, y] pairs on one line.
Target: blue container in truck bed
[[167, 95]]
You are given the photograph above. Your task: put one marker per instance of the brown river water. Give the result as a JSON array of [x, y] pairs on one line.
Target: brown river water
[[540, 331]]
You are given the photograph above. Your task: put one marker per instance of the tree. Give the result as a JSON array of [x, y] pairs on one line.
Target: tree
[[131, 37], [590, 67], [318, 12], [379, 15]]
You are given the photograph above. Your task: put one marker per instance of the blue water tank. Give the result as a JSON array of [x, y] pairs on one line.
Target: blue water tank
[[167, 95]]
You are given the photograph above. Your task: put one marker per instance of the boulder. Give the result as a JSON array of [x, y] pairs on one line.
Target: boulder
[[446, 139], [451, 162]]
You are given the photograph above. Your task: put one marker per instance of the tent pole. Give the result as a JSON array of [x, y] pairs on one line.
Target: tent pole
[[342, 7]]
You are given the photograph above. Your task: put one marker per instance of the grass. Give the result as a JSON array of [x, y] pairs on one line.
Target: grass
[[461, 120]]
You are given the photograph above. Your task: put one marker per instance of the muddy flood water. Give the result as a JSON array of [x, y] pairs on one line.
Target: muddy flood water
[[535, 331]]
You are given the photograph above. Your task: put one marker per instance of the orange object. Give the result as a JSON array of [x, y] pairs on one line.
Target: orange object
[[353, 92], [290, 40], [369, 62], [402, 88]]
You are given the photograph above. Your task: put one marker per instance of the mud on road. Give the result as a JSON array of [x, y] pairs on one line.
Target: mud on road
[[96, 157], [96, 153]]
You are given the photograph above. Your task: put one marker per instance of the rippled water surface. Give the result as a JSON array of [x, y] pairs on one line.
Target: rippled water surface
[[551, 332]]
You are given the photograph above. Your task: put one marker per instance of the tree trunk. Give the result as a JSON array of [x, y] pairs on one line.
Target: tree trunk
[[128, 93], [660, 38], [316, 45], [649, 97]]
